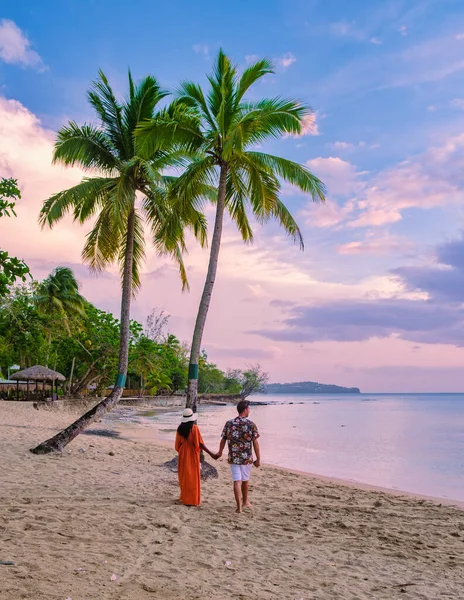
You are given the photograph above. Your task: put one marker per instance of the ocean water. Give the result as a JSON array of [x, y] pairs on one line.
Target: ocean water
[[407, 442]]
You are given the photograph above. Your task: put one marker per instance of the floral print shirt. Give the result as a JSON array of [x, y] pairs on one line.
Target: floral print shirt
[[240, 433]]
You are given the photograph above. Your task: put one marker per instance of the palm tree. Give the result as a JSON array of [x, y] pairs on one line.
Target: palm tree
[[224, 129], [128, 188], [58, 298], [59, 294]]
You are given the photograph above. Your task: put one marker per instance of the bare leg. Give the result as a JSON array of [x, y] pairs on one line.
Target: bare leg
[[245, 494], [238, 495]]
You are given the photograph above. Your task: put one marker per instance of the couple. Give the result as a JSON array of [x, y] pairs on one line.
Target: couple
[[242, 436]]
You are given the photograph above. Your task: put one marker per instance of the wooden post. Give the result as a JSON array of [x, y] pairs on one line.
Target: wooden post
[[27, 386], [17, 390]]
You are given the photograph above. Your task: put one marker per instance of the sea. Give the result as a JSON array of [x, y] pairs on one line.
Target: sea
[[405, 442]]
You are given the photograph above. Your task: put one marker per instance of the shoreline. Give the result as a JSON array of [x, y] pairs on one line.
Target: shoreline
[[358, 485], [142, 410]]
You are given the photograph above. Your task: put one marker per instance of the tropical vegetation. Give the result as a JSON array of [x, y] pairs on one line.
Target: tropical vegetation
[[84, 346]]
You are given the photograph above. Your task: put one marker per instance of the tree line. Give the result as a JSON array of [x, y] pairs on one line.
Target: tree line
[[51, 324]]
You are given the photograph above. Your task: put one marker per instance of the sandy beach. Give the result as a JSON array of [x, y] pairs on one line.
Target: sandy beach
[[93, 525]]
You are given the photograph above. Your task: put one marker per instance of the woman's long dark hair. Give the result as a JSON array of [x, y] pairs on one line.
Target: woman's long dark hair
[[184, 429]]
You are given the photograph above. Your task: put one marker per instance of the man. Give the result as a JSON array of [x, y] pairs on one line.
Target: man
[[242, 436]]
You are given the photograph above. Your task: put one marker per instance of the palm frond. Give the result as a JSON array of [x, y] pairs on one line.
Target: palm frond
[[285, 219], [141, 104], [138, 253], [168, 130], [179, 260], [236, 201], [131, 85], [103, 241], [221, 98], [168, 228], [271, 117], [195, 184], [155, 207], [290, 171], [262, 188], [83, 200], [251, 75], [102, 98], [190, 94], [86, 146]]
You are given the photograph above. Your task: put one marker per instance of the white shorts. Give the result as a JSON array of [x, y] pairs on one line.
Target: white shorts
[[240, 472]]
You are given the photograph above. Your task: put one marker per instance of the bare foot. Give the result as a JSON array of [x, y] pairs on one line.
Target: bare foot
[[248, 505], [238, 510]]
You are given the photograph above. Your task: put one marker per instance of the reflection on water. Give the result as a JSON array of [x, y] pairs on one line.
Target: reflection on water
[[407, 442]]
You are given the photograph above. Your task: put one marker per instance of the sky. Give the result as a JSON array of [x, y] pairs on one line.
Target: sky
[[376, 299]]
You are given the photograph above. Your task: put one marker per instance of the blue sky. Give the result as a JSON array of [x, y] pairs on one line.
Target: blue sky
[[386, 81]]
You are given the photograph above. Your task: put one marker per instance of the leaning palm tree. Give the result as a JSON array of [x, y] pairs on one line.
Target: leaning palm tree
[[127, 189], [225, 129]]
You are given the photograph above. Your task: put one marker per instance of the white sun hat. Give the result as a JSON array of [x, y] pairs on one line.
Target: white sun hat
[[188, 415]]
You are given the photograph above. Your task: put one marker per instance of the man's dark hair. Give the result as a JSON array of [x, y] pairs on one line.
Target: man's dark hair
[[242, 406]]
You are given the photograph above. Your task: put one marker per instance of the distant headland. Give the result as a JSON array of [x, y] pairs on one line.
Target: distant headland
[[309, 387]]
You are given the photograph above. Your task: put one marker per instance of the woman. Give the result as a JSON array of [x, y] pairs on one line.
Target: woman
[[188, 444]]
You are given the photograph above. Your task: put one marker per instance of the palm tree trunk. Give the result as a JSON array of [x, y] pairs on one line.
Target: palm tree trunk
[[192, 388], [71, 376], [61, 439]]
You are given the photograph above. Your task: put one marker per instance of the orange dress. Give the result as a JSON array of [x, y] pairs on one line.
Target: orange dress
[[189, 466]]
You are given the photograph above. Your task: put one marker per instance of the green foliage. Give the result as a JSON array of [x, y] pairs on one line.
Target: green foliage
[[12, 269], [251, 381], [158, 359], [51, 322], [211, 380], [58, 297], [8, 189], [94, 348], [22, 329]]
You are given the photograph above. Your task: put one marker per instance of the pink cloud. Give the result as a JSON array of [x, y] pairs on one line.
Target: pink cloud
[[428, 180], [340, 176], [328, 214], [375, 244]]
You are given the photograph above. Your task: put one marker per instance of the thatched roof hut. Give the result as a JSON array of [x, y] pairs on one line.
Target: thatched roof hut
[[49, 379], [38, 373]]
